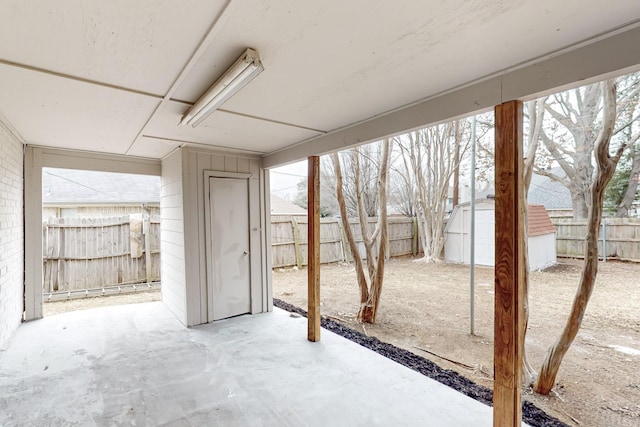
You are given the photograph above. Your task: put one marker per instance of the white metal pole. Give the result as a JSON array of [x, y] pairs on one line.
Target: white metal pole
[[472, 237], [604, 239]]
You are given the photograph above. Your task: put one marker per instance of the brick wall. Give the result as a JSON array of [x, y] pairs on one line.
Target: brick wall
[[11, 233], [174, 286]]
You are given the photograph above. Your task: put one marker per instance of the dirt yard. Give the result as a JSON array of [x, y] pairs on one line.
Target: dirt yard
[[57, 307], [426, 306]]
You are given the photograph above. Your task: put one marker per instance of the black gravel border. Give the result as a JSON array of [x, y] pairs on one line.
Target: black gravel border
[[531, 414]]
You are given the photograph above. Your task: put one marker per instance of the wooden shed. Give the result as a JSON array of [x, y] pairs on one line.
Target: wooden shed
[[540, 230]]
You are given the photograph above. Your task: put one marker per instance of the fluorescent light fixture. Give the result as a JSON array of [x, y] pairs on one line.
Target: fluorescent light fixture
[[245, 69]]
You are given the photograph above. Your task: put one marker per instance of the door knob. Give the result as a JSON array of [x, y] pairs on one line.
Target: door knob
[[246, 252]]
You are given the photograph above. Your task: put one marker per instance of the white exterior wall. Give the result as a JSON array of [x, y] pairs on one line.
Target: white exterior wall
[[183, 233], [455, 249], [542, 251], [457, 241], [174, 292], [11, 233], [194, 164]]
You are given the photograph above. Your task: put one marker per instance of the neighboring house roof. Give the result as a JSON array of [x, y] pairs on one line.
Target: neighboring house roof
[[538, 221], [465, 193], [77, 187], [551, 194], [280, 206]]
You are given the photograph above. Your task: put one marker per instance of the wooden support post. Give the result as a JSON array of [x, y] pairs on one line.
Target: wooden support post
[[313, 249], [509, 266]]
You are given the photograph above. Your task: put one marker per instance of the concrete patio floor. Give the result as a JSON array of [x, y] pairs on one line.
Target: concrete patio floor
[[137, 365]]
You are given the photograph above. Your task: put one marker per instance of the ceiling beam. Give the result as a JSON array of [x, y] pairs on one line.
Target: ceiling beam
[[182, 75], [601, 57], [93, 161], [79, 79]]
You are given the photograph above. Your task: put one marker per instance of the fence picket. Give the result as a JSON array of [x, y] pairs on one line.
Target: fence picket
[[287, 249], [622, 239], [86, 253]]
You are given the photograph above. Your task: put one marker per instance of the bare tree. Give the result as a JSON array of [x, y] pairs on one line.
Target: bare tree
[[370, 284], [300, 199], [572, 139], [401, 195], [456, 169], [485, 159], [535, 114], [571, 134], [628, 132], [605, 168], [630, 194], [370, 156], [430, 158]]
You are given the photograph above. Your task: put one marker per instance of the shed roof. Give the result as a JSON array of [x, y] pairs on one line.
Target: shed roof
[[538, 221]]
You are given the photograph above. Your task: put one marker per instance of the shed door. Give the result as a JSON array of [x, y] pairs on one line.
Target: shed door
[[229, 225], [485, 251]]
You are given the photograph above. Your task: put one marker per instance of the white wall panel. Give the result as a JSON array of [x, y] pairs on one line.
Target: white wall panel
[[195, 162], [174, 286]]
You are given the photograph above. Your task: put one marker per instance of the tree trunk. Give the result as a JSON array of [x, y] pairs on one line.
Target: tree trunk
[[579, 204], [430, 157], [370, 309], [456, 171], [632, 187], [370, 285], [353, 247], [575, 111], [535, 110], [606, 166]]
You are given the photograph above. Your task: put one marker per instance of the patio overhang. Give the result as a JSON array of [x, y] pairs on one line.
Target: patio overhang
[[588, 62], [113, 81]]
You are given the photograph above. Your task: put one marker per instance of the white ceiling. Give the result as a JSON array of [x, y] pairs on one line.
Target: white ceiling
[[116, 77]]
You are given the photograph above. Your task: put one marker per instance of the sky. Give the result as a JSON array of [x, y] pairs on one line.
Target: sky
[[285, 179]]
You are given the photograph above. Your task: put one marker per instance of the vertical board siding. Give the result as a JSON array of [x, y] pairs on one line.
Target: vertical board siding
[[195, 162]]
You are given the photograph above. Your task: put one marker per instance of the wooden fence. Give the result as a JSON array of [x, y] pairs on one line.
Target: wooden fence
[[289, 239], [621, 237], [89, 253], [95, 253]]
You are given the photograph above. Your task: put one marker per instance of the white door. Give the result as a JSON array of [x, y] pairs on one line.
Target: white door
[[230, 266], [485, 251]]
